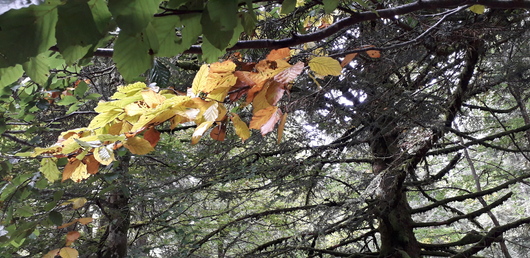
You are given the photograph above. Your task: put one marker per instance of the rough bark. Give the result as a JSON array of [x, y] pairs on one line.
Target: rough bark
[[117, 212], [392, 209]]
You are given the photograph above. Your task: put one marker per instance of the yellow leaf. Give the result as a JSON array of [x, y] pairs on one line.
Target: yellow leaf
[[76, 202], [477, 8], [68, 252], [152, 99], [325, 66], [104, 155], [281, 126], [138, 146], [200, 80], [200, 130], [260, 101], [211, 113], [241, 127], [128, 90], [104, 119], [80, 173]]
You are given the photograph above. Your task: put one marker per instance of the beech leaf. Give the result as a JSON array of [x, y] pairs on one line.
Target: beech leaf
[[269, 125], [200, 130], [152, 136], [68, 252], [262, 116], [71, 237], [282, 53], [289, 74], [281, 127], [478, 8], [347, 59], [138, 146], [325, 65], [241, 127]]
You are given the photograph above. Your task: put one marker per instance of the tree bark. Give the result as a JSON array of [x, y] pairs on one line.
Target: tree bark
[[392, 209], [117, 212]]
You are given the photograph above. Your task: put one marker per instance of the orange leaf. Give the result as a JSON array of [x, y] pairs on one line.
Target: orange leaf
[[52, 254], [71, 237], [66, 224], [262, 116], [218, 133], [275, 92], [69, 169], [282, 53], [269, 126], [152, 136], [289, 74], [92, 165], [347, 59], [374, 53], [243, 79], [152, 99], [85, 221], [281, 126]]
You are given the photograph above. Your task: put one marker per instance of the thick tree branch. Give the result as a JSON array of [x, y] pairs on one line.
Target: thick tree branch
[[389, 13]]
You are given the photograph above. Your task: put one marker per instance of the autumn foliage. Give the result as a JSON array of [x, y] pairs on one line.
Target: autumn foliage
[[218, 92]]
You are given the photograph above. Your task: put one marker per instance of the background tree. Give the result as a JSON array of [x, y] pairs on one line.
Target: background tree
[[418, 148]]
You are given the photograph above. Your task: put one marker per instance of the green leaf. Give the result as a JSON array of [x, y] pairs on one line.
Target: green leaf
[[101, 15], [81, 88], [224, 13], [288, 6], [131, 54], [167, 38], [213, 32], [9, 75], [38, 68], [192, 29], [56, 218], [30, 31], [210, 53], [75, 16], [330, 5], [67, 100], [133, 16], [25, 211], [477, 8]]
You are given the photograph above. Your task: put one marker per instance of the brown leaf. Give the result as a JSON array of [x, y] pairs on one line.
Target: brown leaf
[[282, 53], [70, 167], [71, 237], [374, 53], [92, 165], [281, 127], [262, 116], [137, 145], [152, 136], [85, 221], [218, 133], [347, 59], [269, 126], [289, 74], [275, 92]]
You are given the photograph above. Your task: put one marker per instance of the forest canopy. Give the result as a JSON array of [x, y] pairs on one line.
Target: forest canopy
[[281, 128]]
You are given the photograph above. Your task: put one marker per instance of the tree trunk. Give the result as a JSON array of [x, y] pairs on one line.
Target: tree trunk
[[117, 213], [392, 209]]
